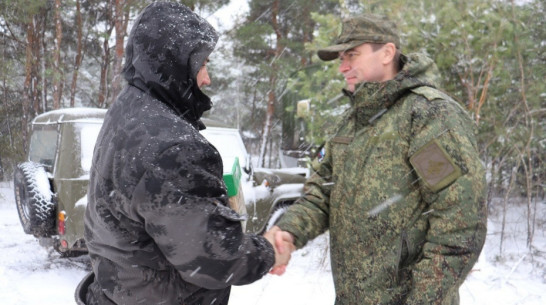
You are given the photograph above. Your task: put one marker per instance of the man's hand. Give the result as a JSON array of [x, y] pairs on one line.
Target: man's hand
[[283, 243]]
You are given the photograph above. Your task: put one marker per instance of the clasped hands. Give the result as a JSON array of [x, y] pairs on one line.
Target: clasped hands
[[283, 244]]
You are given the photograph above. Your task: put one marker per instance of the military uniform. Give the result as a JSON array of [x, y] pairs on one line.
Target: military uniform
[[401, 189], [157, 224]]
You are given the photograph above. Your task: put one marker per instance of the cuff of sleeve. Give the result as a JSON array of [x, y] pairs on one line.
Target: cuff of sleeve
[[298, 239], [268, 253]]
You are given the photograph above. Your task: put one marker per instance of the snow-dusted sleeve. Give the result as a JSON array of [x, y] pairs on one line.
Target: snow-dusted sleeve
[[182, 200]]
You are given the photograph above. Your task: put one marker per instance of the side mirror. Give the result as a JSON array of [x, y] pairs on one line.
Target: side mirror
[[303, 108]]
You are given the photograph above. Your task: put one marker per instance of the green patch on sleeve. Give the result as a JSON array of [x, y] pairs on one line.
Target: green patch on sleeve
[[435, 166]]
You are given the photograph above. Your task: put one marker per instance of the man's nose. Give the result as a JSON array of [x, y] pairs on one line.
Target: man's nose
[[206, 79], [344, 66]]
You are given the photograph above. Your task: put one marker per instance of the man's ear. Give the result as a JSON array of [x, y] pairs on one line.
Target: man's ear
[[389, 51]]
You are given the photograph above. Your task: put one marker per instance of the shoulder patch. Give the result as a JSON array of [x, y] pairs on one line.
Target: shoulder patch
[[431, 93], [435, 166]]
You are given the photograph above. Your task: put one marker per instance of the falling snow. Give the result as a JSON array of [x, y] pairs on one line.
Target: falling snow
[[30, 274]]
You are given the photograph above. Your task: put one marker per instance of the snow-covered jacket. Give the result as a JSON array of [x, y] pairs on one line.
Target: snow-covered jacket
[[157, 224], [402, 190]]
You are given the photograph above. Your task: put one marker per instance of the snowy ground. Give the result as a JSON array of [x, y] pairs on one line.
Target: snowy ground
[[30, 274]]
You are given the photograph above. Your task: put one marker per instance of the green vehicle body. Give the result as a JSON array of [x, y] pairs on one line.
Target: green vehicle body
[[62, 143]]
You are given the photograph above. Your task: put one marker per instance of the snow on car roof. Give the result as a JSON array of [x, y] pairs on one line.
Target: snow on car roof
[[91, 115]]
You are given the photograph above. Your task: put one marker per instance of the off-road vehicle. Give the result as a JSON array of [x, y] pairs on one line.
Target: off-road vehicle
[[51, 186]]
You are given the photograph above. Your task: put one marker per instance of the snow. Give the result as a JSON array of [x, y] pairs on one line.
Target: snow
[[42, 184], [82, 112], [290, 190], [30, 274], [81, 202], [77, 111], [288, 170], [384, 205]]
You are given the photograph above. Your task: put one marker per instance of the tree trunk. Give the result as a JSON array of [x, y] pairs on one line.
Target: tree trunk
[[79, 57], [33, 101], [267, 124], [44, 66], [308, 27], [527, 152], [121, 20], [5, 94], [58, 75], [271, 97], [505, 203], [103, 87], [39, 100], [27, 91]]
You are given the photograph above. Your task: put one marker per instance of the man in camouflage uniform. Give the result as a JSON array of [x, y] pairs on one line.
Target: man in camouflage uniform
[[157, 224], [400, 186]]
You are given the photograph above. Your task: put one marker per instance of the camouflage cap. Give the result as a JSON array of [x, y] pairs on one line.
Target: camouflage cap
[[358, 30]]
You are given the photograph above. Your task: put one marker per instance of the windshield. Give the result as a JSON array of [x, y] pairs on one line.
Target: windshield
[[43, 144]]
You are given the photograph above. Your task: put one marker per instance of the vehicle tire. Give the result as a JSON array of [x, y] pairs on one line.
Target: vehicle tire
[[34, 199], [280, 209]]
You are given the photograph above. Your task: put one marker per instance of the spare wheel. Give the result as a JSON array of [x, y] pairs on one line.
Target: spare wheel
[[34, 199]]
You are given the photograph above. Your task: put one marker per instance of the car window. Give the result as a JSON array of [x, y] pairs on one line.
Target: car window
[[43, 144], [229, 144], [88, 133]]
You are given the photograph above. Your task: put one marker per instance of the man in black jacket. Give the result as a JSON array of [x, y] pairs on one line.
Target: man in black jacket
[[157, 225]]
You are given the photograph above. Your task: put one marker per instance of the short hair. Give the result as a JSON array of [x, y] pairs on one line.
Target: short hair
[[396, 59]]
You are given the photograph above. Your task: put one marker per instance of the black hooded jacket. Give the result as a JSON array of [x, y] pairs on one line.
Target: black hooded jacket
[[157, 224]]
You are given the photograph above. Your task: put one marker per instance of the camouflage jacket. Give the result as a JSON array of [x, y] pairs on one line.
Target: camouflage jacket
[[157, 224], [401, 189]]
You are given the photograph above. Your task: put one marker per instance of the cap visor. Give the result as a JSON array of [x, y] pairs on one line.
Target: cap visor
[[332, 52]]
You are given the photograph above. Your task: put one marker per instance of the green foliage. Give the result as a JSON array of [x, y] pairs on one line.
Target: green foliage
[[15, 15], [271, 41], [475, 44], [282, 61], [321, 83], [488, 51], [21, 10]]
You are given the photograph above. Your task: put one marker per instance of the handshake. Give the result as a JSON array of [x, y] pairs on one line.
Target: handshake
[[283, 244]]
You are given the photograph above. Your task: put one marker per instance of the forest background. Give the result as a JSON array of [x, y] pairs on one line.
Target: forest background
[[491, 54]]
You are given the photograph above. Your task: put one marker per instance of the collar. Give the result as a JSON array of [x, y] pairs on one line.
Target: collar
[[371, 100]]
